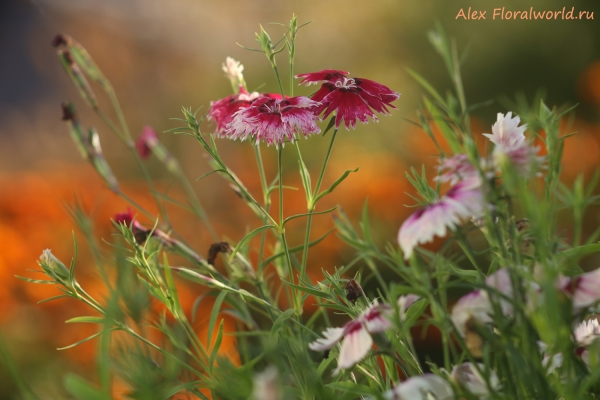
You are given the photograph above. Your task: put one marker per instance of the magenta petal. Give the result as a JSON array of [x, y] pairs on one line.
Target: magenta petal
[[319, 76], [145, 141], [349, 106], [377, 90]]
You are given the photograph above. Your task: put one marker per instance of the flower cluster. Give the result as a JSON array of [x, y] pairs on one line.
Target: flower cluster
[[466, 198], [271, 118]]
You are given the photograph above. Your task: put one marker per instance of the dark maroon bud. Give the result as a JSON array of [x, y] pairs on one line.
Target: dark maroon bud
[[60, 40], [68, 111]]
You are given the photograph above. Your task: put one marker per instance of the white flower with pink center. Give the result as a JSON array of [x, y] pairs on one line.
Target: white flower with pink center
[[463, 201], [476, 306], [584, 289], [356, 336], [404, 303]]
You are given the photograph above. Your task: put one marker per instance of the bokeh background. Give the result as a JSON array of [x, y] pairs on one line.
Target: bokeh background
[[162, 55]]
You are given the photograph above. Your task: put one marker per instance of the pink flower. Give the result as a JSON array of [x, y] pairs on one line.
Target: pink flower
[[273, 120], [476, 306], [423, 387], [221, 111], [146, 141], [352, 98], [455, 168], [356, 334], [511, 144], [584, 289], [464, 200]]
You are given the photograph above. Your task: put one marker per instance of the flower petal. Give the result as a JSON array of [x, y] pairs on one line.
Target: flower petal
[[320, 76], [421, 387], [355, 347], [331, 337], [404, 302]]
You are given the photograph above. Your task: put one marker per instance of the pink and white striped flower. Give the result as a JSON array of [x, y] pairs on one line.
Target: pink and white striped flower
[[352, 98], [511, 144], [356, 335], [463, 201], [583, 289], [422, 387], [273, 120]]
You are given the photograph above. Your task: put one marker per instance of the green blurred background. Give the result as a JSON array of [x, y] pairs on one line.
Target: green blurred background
[[162, 55]]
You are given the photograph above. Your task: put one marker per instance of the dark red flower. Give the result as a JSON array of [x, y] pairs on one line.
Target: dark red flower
[[352, 98], [145, 142], [272, 120]]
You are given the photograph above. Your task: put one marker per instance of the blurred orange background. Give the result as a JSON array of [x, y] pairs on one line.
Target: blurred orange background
[[162, 55]]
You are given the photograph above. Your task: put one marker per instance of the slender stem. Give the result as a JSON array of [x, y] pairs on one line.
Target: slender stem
[[322, 174], [311, 205], [286, 250], [266, 200], [279, 81]]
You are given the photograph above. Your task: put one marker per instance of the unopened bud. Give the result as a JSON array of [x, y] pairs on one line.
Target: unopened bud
[[240, 262], [75, 129], [233, 71], [54, 267], [148, 143], [77, 77], [100, 163]]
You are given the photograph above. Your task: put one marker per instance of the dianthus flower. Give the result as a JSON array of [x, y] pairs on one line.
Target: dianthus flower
[[352, 98], [356, 334], [221, 111], [511, 143], [422, 387], [464, 200], [273, 120], [467, 375], [584, 289]]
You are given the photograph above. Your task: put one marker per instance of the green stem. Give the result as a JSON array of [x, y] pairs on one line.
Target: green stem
[[279, 80], [197, 207], [266, 200]]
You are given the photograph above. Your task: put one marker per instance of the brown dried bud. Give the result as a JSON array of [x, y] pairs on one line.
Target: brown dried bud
[[69, 113], [215, 249], [353, 291], [60, 40]]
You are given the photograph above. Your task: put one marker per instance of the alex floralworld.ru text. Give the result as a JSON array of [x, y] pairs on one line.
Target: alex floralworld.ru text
[[503, 14]]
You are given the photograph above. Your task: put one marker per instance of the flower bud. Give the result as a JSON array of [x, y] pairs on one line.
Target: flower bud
[[77, 77], [148, 143], [54, 267], [353, 291], [99, 162], [233, 71]]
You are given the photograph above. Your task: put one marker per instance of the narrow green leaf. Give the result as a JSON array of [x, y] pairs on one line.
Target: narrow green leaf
[[307, 214], [213, 316], [308, 290], [426, 85], [335, 184], [40, 281], [247, 238], [217, 345], [62, 296], [86, 319], [211, 172], [278, 325], [95, 335], [73, 261]]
